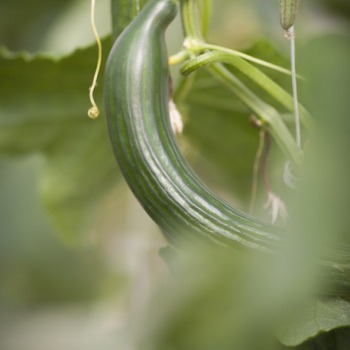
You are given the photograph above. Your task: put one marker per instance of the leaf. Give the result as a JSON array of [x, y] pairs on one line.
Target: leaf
[[44, 103], [203, 305], [23, 24], [79, 171], [41, 97], [338, 339], [340, 7], [319, 316]]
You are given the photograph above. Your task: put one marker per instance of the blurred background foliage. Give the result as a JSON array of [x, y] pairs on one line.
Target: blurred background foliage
[[78, 257]]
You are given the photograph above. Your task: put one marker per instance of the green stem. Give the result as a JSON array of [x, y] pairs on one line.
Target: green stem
[[206, 46], [205, 16], [267, 114], [269, 117], [123, 12], [188, 11], [179, 57], [256, 75]]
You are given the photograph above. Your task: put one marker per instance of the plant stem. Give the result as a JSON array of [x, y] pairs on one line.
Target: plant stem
[[269, 117], [267, 114], [188, 10], [123, 12], [256, 164], [253, 73], [179, 57], [246, 57], [205, 16]]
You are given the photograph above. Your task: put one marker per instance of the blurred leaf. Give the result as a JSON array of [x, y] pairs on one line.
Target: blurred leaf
[[23, 24], [319, 316], [338, 339], [208, 303], [80, 169], [42, 96], [218, 300], [44, 104], [342, 7], [35, 266], [324, 218]]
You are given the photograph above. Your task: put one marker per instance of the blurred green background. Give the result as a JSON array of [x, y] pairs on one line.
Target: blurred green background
[[77, 254]]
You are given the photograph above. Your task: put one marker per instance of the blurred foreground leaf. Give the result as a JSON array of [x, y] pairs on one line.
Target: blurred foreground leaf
[[35, 267], [203, 307], [211, 301]]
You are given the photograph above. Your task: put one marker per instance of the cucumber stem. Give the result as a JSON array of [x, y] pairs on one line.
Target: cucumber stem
[[267, 114], [188, 11]]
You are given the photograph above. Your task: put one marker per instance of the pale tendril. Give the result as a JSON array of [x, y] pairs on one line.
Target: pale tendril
[[94, 112]]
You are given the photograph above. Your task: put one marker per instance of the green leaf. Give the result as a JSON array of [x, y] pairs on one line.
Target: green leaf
[[318, 317], [338, 339], [341, 7], [23, 24], [41, 97], [79, 171], [44, 103]]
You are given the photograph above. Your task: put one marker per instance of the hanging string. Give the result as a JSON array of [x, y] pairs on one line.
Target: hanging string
[[94, 112]]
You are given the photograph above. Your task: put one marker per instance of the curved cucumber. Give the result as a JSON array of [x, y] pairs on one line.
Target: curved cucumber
[[136, 99]]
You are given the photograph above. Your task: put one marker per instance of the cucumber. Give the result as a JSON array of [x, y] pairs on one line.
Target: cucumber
[[136, 101]]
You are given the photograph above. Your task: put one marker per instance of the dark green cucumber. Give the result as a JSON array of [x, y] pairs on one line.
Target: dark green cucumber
[[136, 97], [136, 101]]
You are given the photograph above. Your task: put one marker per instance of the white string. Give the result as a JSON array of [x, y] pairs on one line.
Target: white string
[[94, 111], [291, 37]]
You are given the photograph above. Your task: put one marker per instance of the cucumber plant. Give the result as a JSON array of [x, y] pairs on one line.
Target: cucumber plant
[[79, 168], [136, 93]]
